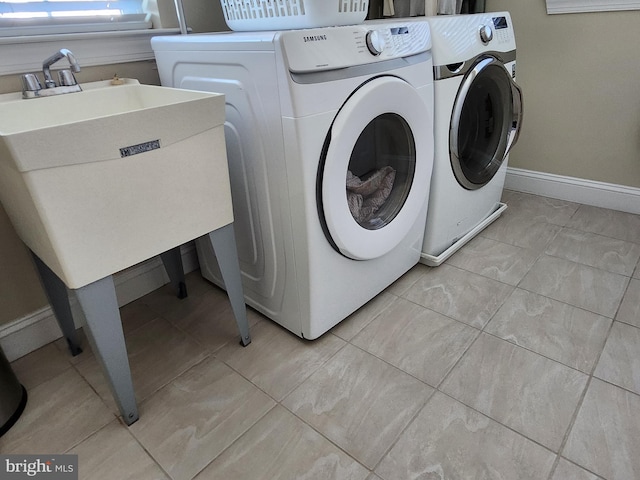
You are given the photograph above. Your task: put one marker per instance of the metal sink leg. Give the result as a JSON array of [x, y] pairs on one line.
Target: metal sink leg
[[104, 331], [58, 297], [172, 260], [223, 241]]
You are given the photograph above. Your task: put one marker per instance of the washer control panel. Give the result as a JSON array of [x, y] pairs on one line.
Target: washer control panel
[[502, 31], [339, 47]]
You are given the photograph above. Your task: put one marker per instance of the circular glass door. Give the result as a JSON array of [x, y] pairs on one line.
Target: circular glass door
[[376, 169], [482, 123], [381, 171]]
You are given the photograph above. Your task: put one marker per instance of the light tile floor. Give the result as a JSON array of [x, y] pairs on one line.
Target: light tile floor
[[518, 359]]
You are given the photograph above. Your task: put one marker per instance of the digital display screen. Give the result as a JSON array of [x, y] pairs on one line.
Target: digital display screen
[[399, 30], [500, 22]]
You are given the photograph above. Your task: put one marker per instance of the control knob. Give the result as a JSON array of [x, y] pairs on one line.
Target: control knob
[[486, 34], [375, 42]]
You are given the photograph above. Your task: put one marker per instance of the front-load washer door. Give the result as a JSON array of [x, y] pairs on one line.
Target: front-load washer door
[[485, 122], [375, 172]]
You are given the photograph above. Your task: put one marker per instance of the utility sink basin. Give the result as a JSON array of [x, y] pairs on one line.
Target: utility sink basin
[[99, 180]]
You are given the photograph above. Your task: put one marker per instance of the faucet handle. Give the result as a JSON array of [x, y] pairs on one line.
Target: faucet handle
[[30, 83], [66, 78]]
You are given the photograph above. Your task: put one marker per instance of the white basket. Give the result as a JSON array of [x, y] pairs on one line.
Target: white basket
[[252, 15]]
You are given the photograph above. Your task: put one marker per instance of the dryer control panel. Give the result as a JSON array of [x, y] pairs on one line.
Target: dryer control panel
[[340, 47], [458, 38], [497, 30], [503, 32]]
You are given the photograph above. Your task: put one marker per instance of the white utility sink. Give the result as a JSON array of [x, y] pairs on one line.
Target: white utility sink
[[99, 180]]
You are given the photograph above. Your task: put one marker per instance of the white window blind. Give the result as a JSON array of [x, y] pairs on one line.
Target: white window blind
[[39, 17], [577, 6]]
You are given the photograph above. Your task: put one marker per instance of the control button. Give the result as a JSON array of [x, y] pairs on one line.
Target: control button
[[486, 34], [375, 42]]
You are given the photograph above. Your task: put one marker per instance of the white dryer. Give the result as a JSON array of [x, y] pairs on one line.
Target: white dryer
[[478, 115], [330, 150]]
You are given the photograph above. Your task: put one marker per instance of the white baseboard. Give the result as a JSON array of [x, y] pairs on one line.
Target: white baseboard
[[39, 328], [588, 192]]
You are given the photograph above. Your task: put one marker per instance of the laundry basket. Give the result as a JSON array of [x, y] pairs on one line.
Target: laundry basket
[[251, 15]]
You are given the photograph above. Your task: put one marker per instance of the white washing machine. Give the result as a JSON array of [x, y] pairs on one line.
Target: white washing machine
[[330, 150], [478, 115]]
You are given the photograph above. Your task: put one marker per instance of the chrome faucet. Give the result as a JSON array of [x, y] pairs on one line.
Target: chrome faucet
[[63, 52], [32, 88]]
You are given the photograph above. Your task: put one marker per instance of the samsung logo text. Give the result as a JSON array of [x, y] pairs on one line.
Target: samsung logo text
[[314, 38]]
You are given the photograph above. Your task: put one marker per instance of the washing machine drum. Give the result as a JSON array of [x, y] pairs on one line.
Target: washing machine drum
[[375, 171], [485, 122]]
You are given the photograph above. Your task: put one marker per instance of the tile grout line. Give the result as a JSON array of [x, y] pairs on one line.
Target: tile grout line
[[418, 410], [332, 442], [557, 454], [347, 343], [576, 412], [232, 443], [512, 287], [404, 429], [280, 404], [520, 434], [600, 269], [517, 345], [600, 232], [153, 459], [384, 309]]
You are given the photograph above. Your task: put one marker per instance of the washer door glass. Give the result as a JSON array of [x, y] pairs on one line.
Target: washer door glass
[[484, 123], [381, 171], [376, 168]]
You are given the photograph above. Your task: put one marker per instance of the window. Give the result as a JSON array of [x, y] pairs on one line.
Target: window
[[41, 17], [98, 32], [577, 6]]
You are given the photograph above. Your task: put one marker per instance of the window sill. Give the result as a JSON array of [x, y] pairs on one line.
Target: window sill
[[25, 54], [578, 6]]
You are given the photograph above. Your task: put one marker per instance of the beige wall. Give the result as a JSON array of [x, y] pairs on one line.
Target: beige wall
[[20, 291], [581, 79]]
